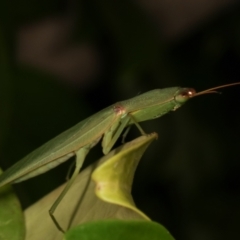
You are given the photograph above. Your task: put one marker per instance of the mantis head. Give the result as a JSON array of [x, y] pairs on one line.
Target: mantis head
[[188, 93]]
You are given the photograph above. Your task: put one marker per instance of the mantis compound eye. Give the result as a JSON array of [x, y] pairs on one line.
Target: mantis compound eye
[[184, 94]]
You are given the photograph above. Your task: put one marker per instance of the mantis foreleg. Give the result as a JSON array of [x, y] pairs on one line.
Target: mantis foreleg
[[80, 156]]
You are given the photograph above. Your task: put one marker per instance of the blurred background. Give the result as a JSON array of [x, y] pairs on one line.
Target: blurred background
[[61, 61]]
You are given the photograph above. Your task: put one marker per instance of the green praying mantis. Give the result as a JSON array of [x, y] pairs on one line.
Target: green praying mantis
[[108, 124]]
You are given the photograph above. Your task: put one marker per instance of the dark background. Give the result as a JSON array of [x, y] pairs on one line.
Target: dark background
[[61, 61]]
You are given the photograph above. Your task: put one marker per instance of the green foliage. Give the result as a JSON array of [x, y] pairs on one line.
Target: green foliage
[[117, 230], [114, 177], [12, 224], [108, 197]]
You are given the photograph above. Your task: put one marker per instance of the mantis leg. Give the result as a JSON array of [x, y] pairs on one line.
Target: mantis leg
[[128, 128], [110, 137], [80, 156], [113, 134], [70, 169], [137, 125], [125, 133]]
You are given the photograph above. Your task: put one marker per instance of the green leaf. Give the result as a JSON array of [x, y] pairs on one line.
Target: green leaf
[[114, 177], [81, 204], [118, 230], [11, 216]]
